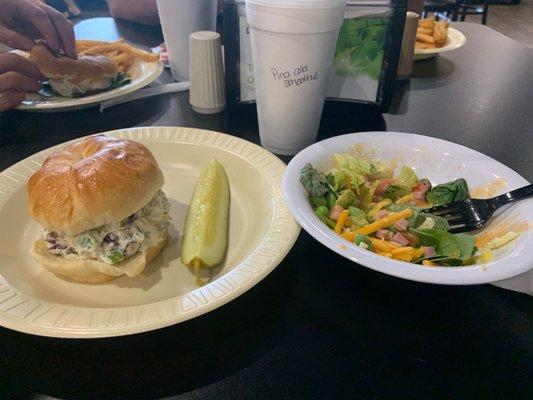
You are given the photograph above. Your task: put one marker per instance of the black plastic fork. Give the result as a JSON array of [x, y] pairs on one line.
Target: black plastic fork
[[469, 215]]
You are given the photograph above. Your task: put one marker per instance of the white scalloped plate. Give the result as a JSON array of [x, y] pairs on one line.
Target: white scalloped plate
[[143, 73], [262, 232]]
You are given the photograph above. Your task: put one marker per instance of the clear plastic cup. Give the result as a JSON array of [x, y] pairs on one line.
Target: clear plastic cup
[[293, 43]]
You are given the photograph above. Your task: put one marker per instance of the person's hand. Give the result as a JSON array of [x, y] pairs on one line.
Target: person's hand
[[18, 76], [23, 21]]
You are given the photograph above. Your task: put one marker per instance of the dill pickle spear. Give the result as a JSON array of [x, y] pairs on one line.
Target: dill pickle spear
[[205, 236]]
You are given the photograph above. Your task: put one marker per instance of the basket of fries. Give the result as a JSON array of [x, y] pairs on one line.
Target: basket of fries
[[434, 37]]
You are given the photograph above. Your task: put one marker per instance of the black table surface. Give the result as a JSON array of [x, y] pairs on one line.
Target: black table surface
[[318, 326]]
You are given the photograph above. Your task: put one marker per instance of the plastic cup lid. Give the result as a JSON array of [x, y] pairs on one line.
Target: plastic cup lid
[[303, 4]]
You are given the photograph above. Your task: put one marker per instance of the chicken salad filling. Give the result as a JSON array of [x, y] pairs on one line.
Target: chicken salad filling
[[116, 242]]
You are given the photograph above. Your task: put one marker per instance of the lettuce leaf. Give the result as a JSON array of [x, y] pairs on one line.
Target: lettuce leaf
[[351, 169], [346, 199], [407, 177]]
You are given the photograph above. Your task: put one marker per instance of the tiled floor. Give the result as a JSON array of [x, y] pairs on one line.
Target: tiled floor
[[513, 21]]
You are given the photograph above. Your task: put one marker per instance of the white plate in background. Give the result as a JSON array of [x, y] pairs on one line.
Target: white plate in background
[[454, 41], [142, 73]]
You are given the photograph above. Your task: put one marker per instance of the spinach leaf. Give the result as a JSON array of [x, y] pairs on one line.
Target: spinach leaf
[[121, 80], [419, 218], [452, 250], [448, 192], [467, 244], [313, 181], [394, 192], [444, 242]]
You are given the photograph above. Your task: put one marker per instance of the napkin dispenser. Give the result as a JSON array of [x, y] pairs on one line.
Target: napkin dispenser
[[365, 62]]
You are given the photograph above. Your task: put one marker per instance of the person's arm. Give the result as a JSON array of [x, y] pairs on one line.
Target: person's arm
[[18, 76], [142, 11]]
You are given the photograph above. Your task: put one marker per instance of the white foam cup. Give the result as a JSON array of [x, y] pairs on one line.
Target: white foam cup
[[180, 18], [293, 43]]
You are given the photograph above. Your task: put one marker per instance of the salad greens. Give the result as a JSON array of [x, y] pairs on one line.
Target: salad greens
[[448, 192], [394, 192], [121, 80], [369, 205], [313, 181], [451, 250], [346, 199]]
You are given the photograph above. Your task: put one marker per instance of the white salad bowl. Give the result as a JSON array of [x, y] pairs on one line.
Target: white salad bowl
[[439, 161]]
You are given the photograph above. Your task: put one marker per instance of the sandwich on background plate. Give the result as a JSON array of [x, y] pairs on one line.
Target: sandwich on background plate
[[102, 211], [74, 77]]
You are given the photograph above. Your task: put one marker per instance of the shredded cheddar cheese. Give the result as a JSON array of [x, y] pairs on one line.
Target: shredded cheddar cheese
[[384, 222], [349, 236], [404, 199], [341, 221], [377, 208]]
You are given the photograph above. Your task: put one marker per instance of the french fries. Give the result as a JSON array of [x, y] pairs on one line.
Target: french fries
[[431, 34], [82, 45], [122, 54], [425, 38], [440, 32], [424, 31], [426, 23]]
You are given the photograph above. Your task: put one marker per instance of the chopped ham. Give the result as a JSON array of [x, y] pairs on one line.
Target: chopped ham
[[420, 189], [383, 233], [335, 212], [402, 224], [400, 239], [381, 214], [430, 252], [419, 196], [382, 186], [413, 239], [423, 185]]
